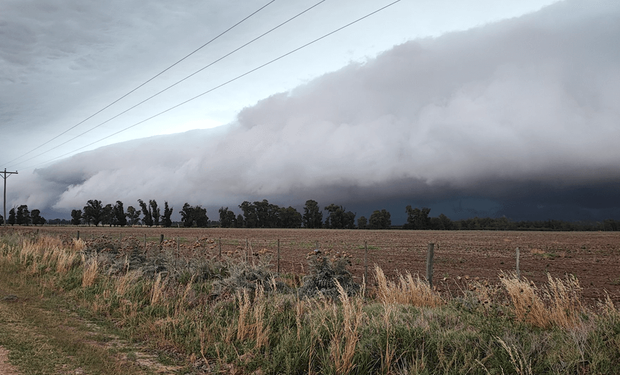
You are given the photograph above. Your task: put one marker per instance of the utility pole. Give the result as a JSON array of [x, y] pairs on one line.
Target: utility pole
[[5, 174]]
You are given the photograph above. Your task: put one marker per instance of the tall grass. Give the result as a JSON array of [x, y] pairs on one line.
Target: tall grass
[[557, 303], [514, 327]]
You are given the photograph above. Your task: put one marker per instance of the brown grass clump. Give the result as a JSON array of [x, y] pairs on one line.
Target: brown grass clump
[[90, 273], [408, 290], [157, 290], [346, 337], [557, 303]]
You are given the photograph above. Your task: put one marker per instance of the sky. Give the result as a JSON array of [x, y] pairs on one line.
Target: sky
[[472, 108]]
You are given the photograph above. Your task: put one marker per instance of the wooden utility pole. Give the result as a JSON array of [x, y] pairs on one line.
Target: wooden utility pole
[[5, 174]]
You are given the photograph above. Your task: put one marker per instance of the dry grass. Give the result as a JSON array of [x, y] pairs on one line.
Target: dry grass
[[346, 336], [123, 283], [557, 303], [90, 272], [408, 290], [157, 290]]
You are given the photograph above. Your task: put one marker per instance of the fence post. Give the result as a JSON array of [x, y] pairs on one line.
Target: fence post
[[278, 266], [518, 270], [78, 234], [365, 262], [429, 263], [219, 241], [161, 241], [144, 241]]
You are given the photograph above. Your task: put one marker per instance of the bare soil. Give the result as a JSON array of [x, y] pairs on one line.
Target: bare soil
[[593, 257]]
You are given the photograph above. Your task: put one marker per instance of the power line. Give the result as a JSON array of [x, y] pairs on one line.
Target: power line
[[176, 83], [145, 82], [227, 82]]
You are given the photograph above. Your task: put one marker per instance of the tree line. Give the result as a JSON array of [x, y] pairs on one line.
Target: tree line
[[262, 214]]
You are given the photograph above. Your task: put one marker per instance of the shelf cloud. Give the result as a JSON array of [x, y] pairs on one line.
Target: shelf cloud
[[523, 113]]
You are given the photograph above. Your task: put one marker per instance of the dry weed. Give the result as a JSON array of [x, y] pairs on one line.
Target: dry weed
[[345, 339], [408, 290], [90, 273], [157, 290], [558, 303]]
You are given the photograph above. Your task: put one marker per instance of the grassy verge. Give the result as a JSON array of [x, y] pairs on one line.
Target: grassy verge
[[226, 316]]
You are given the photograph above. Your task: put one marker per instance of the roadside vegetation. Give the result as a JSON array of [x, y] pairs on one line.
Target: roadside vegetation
[[236, 316]]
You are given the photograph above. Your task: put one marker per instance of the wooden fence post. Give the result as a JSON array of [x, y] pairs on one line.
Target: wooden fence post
[[518, 269], [429, 263], [219, 241], [144, 241], [78, 234], [161, 242]]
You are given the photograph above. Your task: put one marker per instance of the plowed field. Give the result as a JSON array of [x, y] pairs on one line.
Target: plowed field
[[593, 257]]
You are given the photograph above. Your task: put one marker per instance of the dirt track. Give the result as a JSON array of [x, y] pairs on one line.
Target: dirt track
[[593, 257]]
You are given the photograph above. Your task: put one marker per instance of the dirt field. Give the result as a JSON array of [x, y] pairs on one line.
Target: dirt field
[[593, 257]]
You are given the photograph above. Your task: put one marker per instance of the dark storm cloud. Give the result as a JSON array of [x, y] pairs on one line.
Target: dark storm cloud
[[523, 113]]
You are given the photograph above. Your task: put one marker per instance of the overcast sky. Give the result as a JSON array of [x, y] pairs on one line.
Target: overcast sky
[[484, 108]]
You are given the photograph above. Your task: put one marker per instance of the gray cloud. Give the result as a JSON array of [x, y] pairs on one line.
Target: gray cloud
[[523, 110]]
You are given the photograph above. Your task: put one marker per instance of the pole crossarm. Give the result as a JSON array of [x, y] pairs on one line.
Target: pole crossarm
[[5, 175]]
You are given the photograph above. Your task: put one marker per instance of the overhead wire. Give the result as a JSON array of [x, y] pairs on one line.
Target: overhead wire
[[145, 82], [178, 82], [226, 82]]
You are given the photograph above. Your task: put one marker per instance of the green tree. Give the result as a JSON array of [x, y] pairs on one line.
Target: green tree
[[108, 215], [227, 218], [166, 221], [119, 217], [250, 216], [339, 218], [133, 215], [146, 211], [191, 215], [12, 218], [239, 222], [93, 212], [155, 212], [289, 218], [313, 217], [380, 220], [37, 219], [187, 215], [362, 222], [76, 217], [418, 218], [23, 215]]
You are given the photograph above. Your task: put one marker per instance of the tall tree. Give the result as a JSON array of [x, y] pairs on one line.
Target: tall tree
[[289, 218], [191, 215], [12, 218], [380, 220], [76, 217], [339, 218], [133, 215], [155, 213], [250, 216], [108, 215], [93, 212], [418, 218], [23, 215], [146, 211], [187, 215], [37, 219], [166, 221], [120, 217], [313, 217], [362, 222], [227, 218]]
